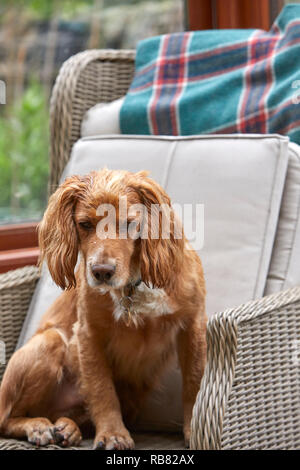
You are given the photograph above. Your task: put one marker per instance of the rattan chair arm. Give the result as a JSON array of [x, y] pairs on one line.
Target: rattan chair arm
[[222, 346], [16, 290], [19, 277]]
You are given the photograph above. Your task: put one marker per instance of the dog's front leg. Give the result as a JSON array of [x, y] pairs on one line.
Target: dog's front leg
[[100, 395], [192, 356]]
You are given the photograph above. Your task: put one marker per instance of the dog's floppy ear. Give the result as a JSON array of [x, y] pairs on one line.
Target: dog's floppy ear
[[161, 250], [58, 238]]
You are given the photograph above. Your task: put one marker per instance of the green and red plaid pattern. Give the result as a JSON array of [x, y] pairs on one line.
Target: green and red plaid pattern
[[218, 81]]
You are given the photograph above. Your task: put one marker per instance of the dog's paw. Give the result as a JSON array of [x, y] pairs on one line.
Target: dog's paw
[[40, 432], [113, 441], [67, 433]]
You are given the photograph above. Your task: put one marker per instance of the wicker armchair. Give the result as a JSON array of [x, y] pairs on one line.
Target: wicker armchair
[[250, 394]]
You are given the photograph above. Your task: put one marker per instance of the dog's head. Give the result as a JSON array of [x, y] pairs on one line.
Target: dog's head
[[121, 223]]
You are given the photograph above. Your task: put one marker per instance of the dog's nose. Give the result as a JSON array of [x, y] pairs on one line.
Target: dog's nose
[[103, 272]]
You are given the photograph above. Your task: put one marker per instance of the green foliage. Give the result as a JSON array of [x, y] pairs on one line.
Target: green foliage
[[44, 9], [24, 157], [65, 8]]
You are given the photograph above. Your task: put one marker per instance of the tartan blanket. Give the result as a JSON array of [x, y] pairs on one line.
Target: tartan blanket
[[218, 81]]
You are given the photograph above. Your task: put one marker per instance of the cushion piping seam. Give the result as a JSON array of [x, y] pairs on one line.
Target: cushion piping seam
[[266, 227], [294, 234]]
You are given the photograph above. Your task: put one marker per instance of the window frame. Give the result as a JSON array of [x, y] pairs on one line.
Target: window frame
[[217, 14], [18, 245]]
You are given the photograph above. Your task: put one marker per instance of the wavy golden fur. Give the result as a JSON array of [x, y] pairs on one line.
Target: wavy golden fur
[[92, 359]]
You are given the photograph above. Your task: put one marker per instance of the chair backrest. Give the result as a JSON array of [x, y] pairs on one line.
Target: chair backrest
[[85, 79]]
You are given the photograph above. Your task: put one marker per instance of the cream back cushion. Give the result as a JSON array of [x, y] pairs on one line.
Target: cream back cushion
[[237, 181]]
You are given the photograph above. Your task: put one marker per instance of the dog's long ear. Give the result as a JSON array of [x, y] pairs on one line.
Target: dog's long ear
[[162, 244], [58, 238]]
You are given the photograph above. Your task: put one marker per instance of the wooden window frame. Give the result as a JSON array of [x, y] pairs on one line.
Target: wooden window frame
[[217, 14], [18, 246]]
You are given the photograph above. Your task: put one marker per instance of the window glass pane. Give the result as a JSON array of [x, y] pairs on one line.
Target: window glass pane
[[36, 37]]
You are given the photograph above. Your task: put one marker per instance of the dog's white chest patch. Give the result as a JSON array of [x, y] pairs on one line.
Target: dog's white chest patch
[[145, 302]]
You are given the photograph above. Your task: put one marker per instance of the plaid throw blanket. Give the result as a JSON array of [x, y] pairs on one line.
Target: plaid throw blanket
[[220, 81]]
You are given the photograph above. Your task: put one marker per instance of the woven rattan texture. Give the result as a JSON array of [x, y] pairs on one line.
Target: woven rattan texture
[[84, 80], [263, 408], [16, 289], [143, 441], [249, 396]]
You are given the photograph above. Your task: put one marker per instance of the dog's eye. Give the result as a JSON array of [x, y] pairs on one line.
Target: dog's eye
[[85, 225]]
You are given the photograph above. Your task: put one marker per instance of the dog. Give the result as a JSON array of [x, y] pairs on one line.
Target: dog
[[130, 305]]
